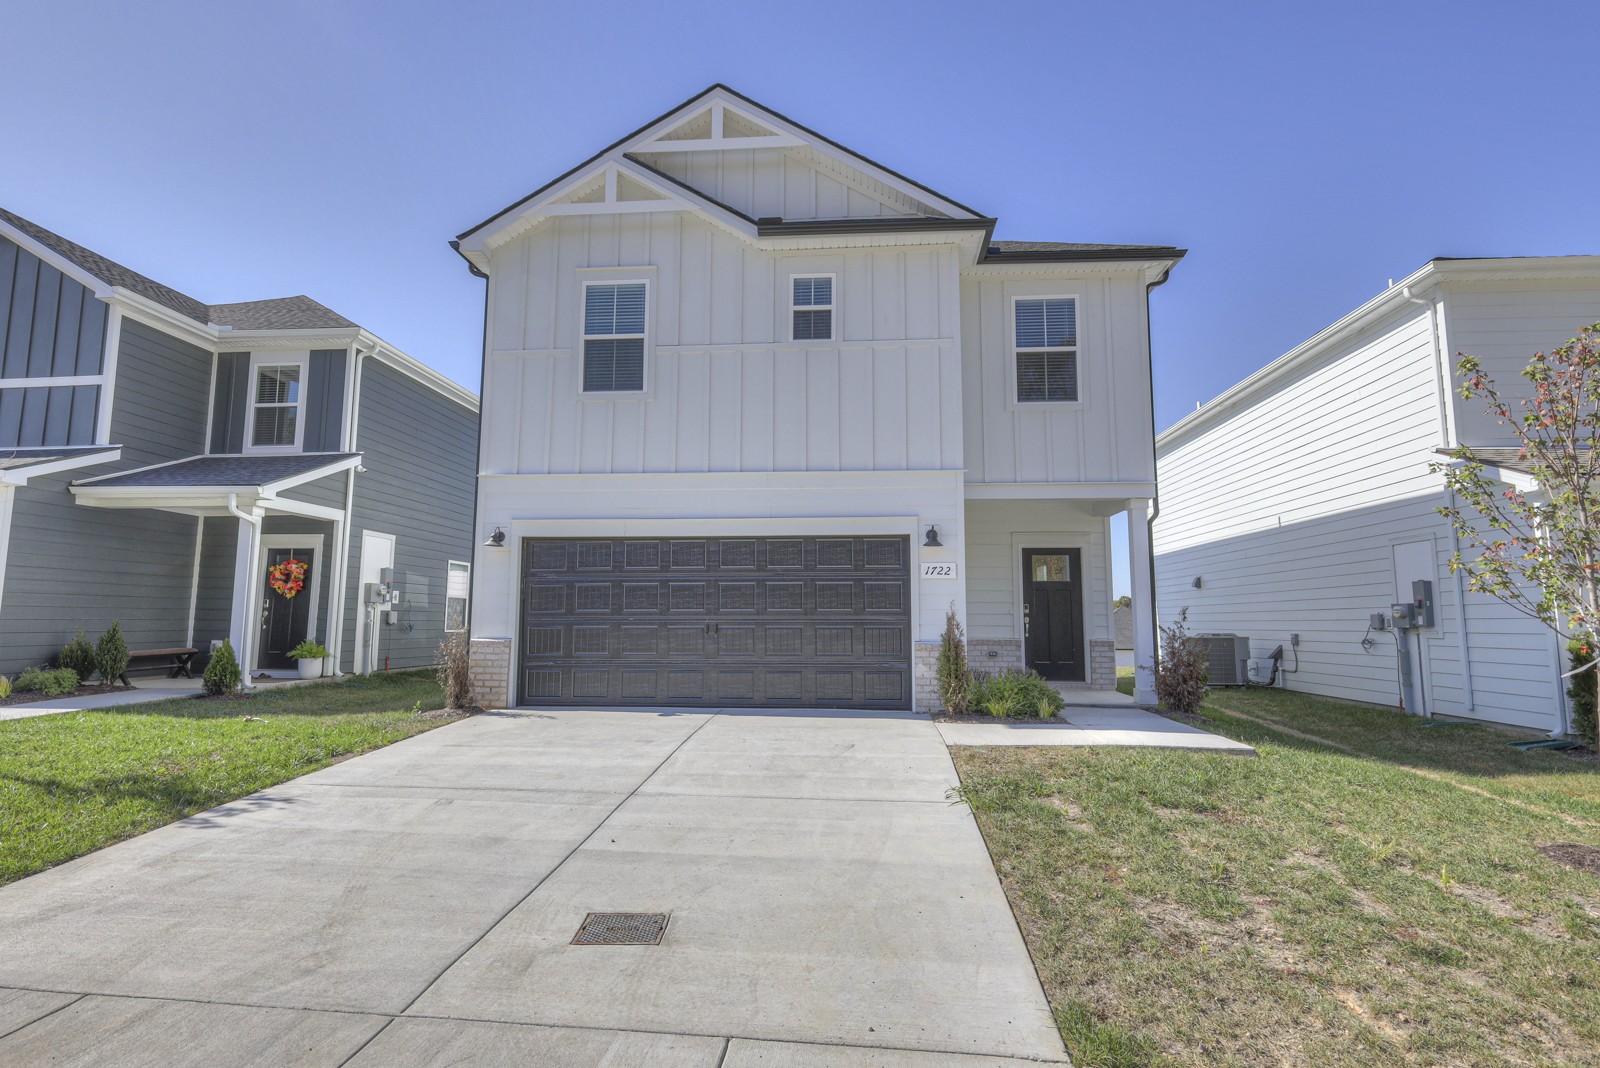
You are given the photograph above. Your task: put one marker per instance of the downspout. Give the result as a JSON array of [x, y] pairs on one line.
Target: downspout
[[245, 658], [1446, 440], [349, 515], [1155, 499], [477, 479]]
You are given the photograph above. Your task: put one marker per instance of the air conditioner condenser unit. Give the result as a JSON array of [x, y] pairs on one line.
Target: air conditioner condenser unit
[[1227, 657]]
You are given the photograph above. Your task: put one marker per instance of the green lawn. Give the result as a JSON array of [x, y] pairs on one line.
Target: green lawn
[[1312, 905], [72, 783]]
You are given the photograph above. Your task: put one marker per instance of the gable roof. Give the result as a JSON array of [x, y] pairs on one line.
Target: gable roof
[[225, 470], [688, 107], [280, 313]]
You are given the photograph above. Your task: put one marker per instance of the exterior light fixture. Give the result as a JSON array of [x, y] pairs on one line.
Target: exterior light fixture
[[497, 540], [933, 541]]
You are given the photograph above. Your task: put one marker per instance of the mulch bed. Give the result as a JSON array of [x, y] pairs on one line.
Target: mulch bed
[[82, 691], [1584, 858]]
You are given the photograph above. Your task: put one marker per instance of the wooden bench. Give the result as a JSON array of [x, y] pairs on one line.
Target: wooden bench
[[180, 660]]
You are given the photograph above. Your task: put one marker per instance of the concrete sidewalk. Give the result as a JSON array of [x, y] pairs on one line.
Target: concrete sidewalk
[[829, 907], [95, 702], [1093, 726]]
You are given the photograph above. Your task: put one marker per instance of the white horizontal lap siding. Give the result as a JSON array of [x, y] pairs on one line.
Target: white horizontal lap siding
[[1504, 323], [1106, 437], [994, 567], [769, 183], [1355, 430], [726, 388]]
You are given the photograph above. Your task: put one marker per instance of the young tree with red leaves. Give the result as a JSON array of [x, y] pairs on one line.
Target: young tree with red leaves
[[1537, 548]]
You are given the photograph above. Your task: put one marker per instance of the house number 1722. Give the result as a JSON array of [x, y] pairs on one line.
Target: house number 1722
[[942, 571]]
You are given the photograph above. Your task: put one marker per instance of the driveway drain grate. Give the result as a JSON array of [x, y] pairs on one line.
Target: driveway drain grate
[[621, 929]]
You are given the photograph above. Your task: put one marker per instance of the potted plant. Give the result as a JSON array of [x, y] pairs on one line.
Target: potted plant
[[309, 656]]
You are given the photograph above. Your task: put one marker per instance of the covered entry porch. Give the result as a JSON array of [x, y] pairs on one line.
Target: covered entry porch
[[269, 552], [1040, 583]]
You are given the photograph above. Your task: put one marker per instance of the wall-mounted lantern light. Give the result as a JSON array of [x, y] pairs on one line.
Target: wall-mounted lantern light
[[933, 541], [497, 540]]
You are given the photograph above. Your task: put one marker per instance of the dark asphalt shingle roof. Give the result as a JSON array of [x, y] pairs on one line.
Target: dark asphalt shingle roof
[[279, 313], [201, 471], [14, 459], [1069, 250]]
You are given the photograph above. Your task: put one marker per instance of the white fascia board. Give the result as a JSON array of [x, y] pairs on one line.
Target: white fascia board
[[1417, 284], [147, 311], [345, 463], [229, 340], [164, 497], [20, 476], [1059, 491], [1151, 269], [759, 526], [306, 509], [757, 114], [411, 367], [20, 238]]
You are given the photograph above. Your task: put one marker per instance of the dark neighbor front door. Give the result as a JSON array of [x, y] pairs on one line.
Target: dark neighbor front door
[[1052, 612], [285, 621]]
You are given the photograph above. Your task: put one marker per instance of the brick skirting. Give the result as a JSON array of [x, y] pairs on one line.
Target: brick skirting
[[490, 671]]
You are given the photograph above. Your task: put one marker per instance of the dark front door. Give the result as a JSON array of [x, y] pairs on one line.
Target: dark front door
[[756, 621], [1052, 612], [285, 621]]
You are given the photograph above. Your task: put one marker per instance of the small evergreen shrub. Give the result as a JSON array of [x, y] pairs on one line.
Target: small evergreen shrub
[[454, 664], [111, 653], [52, 682], [1583, 692], [1016, 694], [222, 675], [78, 656], [1181, 676], [955, 677]]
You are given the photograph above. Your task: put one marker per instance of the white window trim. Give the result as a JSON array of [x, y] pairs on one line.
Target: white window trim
[[1012, 352], [584, 338], [466, 614], [833, 307], [259, 360]]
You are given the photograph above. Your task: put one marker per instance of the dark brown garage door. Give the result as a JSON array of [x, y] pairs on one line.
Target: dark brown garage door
[[783, 622]]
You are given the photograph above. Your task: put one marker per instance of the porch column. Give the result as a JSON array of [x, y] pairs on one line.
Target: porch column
[[1144, 604], [245, 620]]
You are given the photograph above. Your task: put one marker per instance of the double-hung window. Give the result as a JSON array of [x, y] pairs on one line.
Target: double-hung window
[[613, 337], [811, 310], [275, 406], [1047, 349], [457, 587]]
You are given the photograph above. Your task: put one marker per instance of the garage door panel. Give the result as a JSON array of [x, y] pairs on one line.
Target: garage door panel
[[737, 621]]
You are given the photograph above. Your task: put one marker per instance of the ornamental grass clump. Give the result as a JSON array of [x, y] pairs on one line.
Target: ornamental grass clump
[[78, 656], [111, 653], [52, 682], [454, 668], [222, 675], [1016, 694], [1181, 677], [954, 676]]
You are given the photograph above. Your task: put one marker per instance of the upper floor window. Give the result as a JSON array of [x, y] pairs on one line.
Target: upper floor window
[[613, 337], [1047, 349], [275, 406], [812, 307]]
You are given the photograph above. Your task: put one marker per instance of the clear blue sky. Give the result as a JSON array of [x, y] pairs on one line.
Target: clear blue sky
[[1304, 153]]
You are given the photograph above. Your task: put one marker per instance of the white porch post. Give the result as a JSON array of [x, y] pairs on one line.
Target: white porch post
[[1144, 602], [245, 618]]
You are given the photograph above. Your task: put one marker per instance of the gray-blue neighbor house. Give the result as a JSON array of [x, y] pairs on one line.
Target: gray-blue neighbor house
[[182, 467]]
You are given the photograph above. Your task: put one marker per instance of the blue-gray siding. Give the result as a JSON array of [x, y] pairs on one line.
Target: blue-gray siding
[[420, 453], [328, 491], [70, 566], [231, 402], [50, 327], [213, 606]]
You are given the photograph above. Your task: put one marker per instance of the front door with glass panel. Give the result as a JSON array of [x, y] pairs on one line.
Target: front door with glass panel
[[286, 608], [1052, 612]]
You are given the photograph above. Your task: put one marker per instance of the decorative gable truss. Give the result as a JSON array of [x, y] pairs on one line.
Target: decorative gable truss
[[741, 166]]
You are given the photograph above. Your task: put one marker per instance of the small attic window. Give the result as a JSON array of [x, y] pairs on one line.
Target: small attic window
[[812, 307]]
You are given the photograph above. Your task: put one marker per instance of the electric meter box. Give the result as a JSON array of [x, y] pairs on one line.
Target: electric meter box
[[1404, 614]]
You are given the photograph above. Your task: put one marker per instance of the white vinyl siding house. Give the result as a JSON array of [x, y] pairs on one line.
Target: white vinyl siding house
[[818, 347], [1302, 500]]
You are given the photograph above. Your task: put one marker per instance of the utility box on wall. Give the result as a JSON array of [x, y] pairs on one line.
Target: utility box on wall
[[1422, 600]]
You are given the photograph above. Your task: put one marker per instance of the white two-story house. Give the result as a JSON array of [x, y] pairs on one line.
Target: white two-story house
[[758, 411]]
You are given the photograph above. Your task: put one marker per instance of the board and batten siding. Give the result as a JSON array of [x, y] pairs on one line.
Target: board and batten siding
[[51, 326], [1288, 511], [773, 183], [1504, 323], [322, 409], [995, 530], [420, 450], [69, 566], [1105, 437], [726, 390]]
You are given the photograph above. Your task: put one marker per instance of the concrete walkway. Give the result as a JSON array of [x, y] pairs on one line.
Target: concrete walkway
[[94, 702], [829, 909], [1093, 725]]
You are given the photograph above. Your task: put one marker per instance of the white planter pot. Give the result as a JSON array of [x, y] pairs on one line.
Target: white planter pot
[[310, 667]]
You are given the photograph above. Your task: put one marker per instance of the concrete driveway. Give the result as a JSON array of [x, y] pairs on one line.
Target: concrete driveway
[[828, 907]]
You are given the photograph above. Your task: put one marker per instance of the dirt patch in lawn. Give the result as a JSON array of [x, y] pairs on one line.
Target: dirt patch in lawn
[[31, 696], [1585, 858]]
